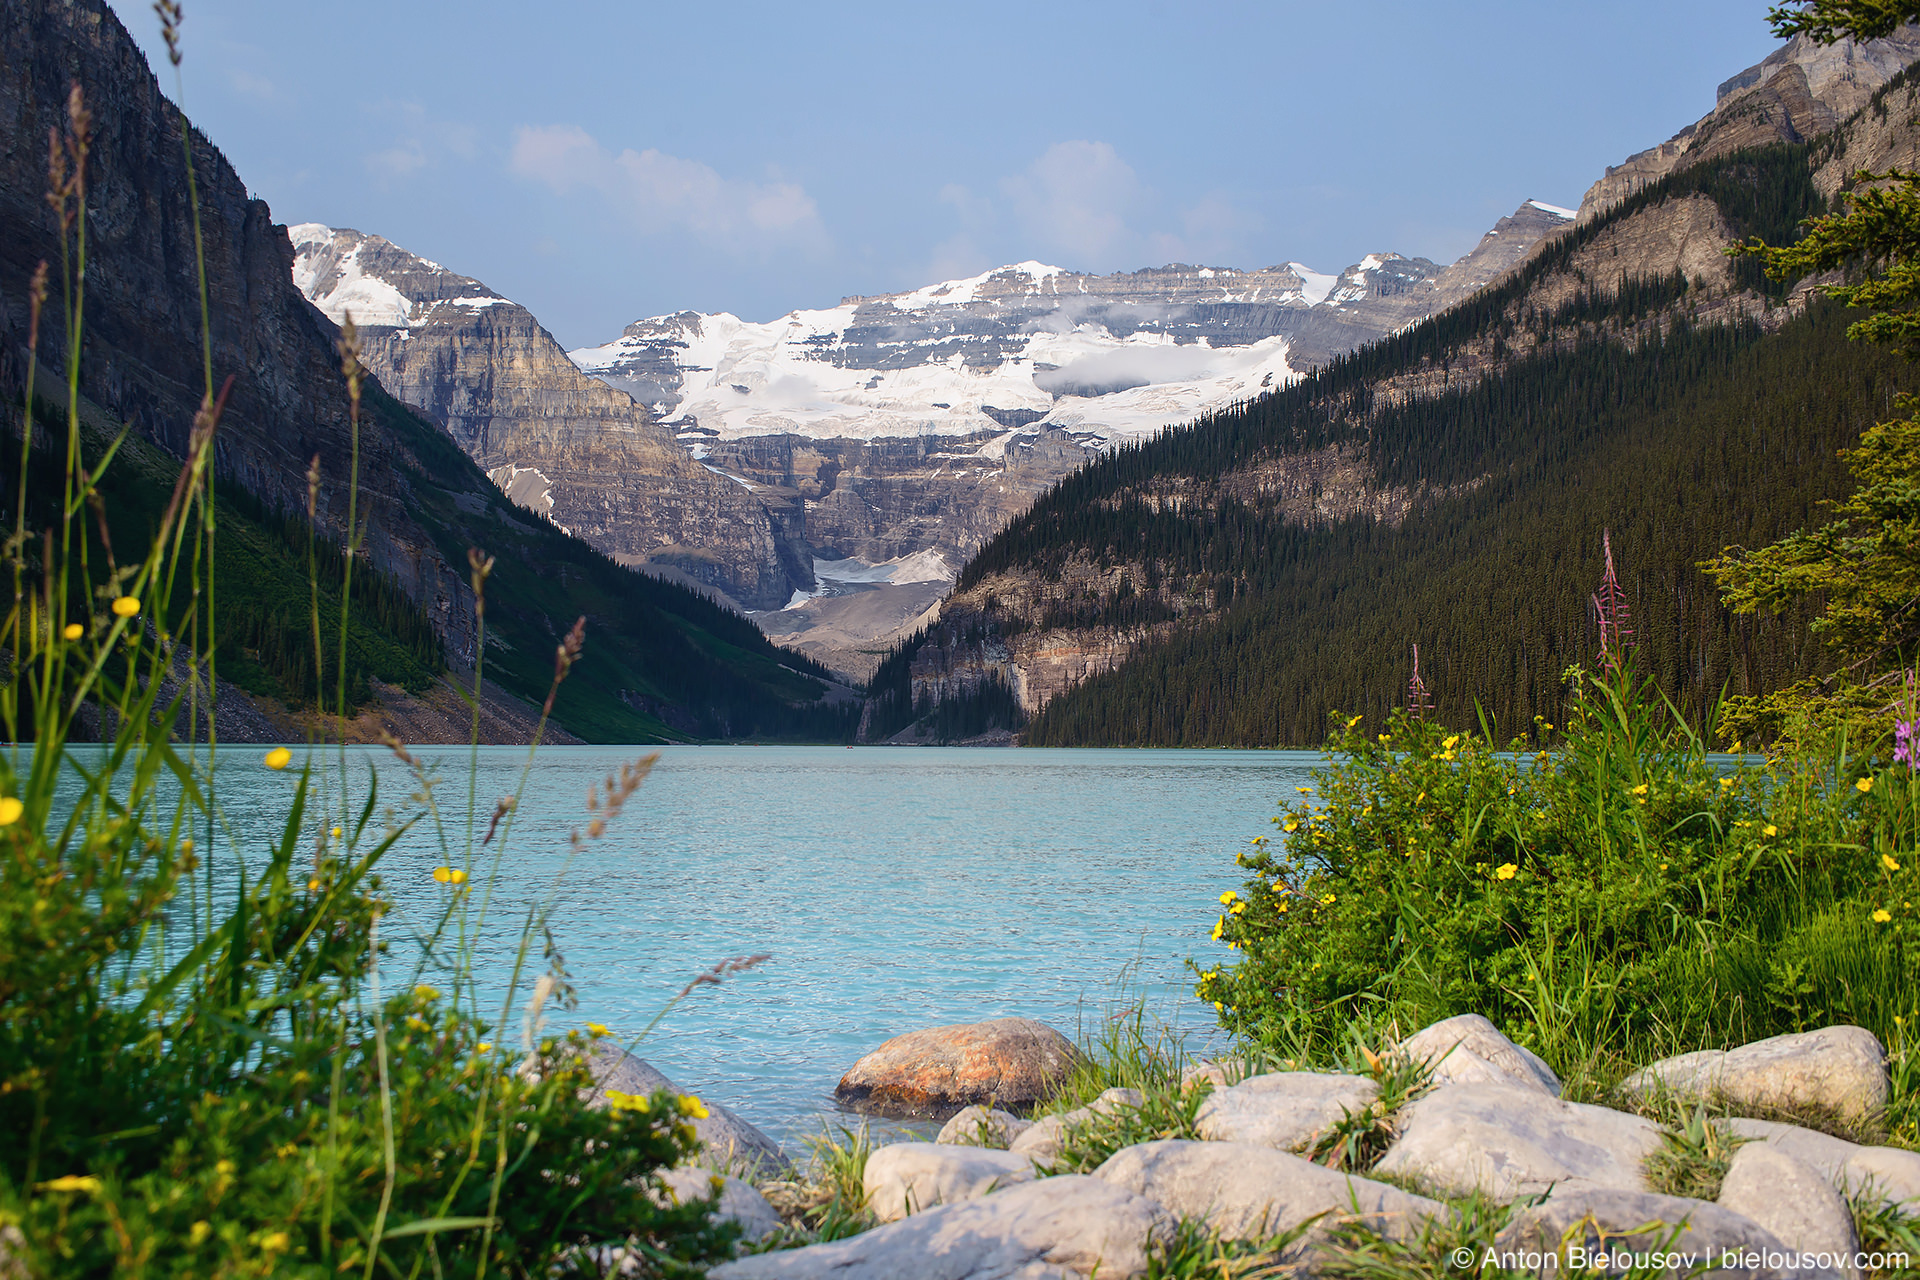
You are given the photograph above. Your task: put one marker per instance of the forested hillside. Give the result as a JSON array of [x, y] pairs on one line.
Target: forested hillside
[[1235, 581]]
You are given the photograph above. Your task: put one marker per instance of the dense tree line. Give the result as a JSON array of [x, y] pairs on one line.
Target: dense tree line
[[1682, 438], [1712, 437]]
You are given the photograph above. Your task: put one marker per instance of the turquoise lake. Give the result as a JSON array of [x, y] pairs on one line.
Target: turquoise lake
[[895, 888]]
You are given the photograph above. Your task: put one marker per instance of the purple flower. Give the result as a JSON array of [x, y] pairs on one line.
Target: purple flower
[[1903, 741]]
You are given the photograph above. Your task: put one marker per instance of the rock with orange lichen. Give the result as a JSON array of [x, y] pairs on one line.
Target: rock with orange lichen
[[1009, 1063]]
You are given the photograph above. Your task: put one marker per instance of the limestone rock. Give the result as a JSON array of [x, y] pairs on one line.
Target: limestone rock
[[1054, 1229], [1007, 1062], [909, 1177], [1470, 1050], [1287, 1110], [1245, 1191], [726, 1139], [1221, 1075], [1794, 1201], [561, 444], [735, 1201], [1043, 1141], [1510, 1140], [1642, 1222], [978, 1126], [1838, 1069], [1886, 1173]]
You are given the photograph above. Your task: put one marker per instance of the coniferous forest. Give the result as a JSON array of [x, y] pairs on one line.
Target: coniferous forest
[[1617, 410]]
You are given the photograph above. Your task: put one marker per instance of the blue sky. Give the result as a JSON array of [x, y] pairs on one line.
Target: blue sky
[[600, 162]]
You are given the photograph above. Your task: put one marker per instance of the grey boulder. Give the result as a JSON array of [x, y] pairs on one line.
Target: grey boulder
[[1871, 1173], [1511, 1140], [1794, 1202], [725, 1138], [1056, 1229], [908, 1177], [734, 1200], [1471, 1050], [1047, 1137], [1287, 1110], [1246, 1192], [978, 1126], [1840, 1070], [1694, 1234]]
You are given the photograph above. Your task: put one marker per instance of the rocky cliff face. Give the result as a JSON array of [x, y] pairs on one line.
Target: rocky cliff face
[[142, 321], [1071, 613], [1800, 90], [894, 426], [562, 444]]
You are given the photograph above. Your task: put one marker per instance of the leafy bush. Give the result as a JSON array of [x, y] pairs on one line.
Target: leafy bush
[[1606, 902], [199, 1072]]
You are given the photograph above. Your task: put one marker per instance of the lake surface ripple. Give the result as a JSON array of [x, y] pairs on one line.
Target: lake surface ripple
[[895, 888]]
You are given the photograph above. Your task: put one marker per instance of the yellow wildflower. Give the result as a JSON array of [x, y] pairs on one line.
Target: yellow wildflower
[[275, 1242], [597, 1029], [1769, 831], [1887, 861], [1640, 790], [449, 875], [1238, 908], [1881, 916], [126, 606], [1451, 742], [693, 1108], [1726, 782], [278, 758], [73, 631], [10, 811], [1305, 791], [73, 1182], [629, 1101], [425, 992], [417, 1023], [197, 1234], [1506, 871], [1226, 899], [1218, 1007], [1863, 786], [335, 833], [313, 884], [1356, 720], [1386, 737]]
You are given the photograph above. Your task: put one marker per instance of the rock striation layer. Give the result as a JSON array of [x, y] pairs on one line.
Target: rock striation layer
[[561, 444]]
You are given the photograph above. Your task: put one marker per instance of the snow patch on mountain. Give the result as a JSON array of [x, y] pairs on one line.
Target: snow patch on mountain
[[368, 299]]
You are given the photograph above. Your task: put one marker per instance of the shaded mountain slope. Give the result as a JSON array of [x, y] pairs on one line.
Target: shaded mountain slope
[[663, 661], [1234, 581]]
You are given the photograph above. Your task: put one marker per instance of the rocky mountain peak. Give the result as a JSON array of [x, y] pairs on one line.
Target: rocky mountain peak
[[1801, 89]]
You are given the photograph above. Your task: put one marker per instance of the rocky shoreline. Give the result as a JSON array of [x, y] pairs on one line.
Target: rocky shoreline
[[1450, 1122]]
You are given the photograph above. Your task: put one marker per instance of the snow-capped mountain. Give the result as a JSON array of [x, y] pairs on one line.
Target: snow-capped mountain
[[1031, 346], [557, 442], [833, 468]]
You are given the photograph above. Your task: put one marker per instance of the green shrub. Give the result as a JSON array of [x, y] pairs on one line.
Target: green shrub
[[199, 1072], [1605, 903]]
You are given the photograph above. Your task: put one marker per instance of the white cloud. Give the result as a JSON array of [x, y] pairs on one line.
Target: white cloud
[[420, 141], [662, 192], [1076, 200]]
